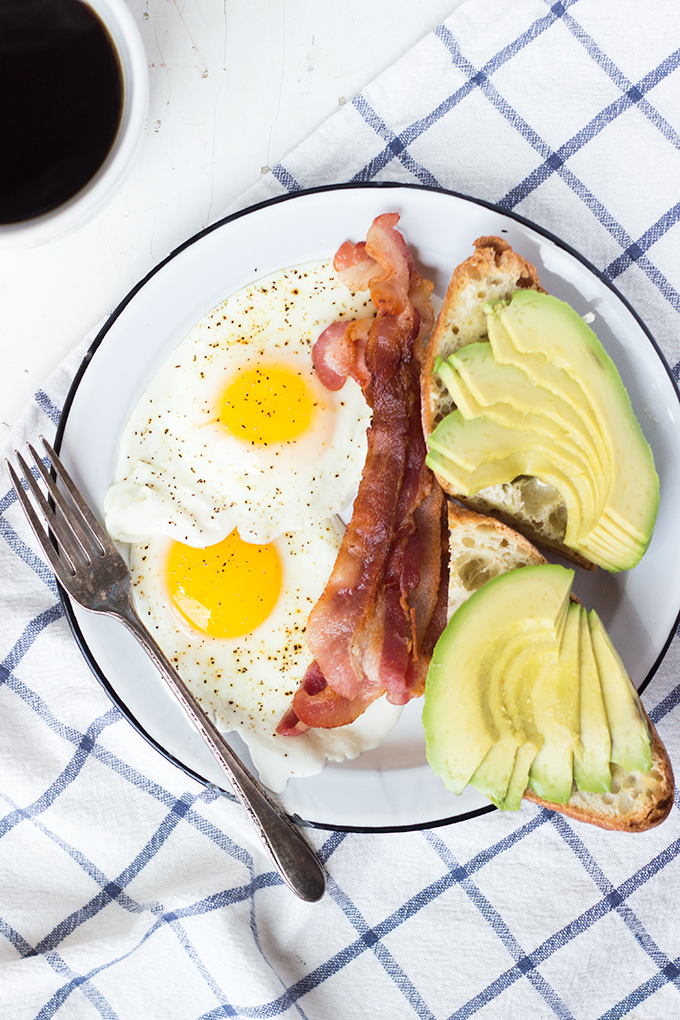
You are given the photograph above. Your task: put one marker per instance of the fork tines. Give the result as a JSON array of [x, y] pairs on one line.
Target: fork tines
[[77, 532]]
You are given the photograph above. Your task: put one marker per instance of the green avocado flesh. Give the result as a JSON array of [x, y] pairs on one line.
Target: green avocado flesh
[[463, 720], [526, 689], [555, 702], [631, 745], [543, 398], [591, 761], [472, 378]]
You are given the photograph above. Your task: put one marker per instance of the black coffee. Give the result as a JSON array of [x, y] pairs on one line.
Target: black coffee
[[61, 96]]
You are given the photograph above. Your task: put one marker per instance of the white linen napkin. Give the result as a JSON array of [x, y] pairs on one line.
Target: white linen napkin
[[129, 891]]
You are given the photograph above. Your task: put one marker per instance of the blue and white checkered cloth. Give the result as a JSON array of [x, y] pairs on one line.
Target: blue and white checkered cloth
[[129, 892]]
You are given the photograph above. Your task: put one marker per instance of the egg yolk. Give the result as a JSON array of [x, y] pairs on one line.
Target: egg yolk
[[267, 404], [226, 590]]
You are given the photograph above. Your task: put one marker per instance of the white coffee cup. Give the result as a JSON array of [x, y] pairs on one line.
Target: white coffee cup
[[106, 182]]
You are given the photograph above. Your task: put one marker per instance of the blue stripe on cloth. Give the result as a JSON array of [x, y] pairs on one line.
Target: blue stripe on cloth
[[397, 144], [667, 704], [208, 978], [64, 779], [21, 945], [489, 853], [370, 938], [525, 965], [334, 841], [18, 546], [285, 178], [102, 755], [93, 995], [644, 991], [48, 407], [633, 251], [614, 899], [35, 702], [633, 94], [85, 745], [636, 250], [115, 888], [637, 92], [27, 638], [219, 1012], [618, 896], [171, 919], [554, 160]]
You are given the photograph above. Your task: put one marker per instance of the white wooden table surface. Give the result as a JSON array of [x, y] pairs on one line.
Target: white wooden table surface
[[234, 86]]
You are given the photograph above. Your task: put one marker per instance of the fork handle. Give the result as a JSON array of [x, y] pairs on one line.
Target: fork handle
[[292, 856]]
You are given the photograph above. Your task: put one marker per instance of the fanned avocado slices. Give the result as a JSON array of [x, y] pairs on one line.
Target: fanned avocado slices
[[525, 688], [543, 399]]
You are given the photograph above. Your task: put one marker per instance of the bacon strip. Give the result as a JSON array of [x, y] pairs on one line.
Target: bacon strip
[[379, 604], [340, 352], [317, 705], [355, 265], [341, 614]]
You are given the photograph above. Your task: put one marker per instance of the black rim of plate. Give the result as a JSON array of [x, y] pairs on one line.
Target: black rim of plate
[[369, 185]]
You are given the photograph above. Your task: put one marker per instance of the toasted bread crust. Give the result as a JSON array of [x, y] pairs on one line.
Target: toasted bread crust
[[638, 801]]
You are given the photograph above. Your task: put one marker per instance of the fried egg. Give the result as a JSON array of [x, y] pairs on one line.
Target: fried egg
[[232, 620], [235, 430]]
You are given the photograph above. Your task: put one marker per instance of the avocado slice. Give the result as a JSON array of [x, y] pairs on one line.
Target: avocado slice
[[465, 711], [446, 448], [544, 373], [631, 741], [519, 780], [591, 761], [492, 776], [483, 453], [552, 344], [506, 765], [475, 379], [555, 699], [480, 385]]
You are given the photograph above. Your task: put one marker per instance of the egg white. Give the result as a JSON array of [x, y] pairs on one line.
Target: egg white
[[180, 473], [247, 683]]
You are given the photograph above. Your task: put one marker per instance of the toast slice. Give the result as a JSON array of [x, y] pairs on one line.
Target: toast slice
[[481, 548], [493, 272]]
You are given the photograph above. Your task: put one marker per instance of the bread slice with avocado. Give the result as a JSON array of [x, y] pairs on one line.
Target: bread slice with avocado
[[619, 774], [527, 419]]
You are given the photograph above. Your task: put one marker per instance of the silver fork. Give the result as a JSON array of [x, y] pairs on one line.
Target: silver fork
[[95, 575]]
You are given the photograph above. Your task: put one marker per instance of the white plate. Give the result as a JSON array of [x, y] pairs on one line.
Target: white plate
[[392, 787]]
